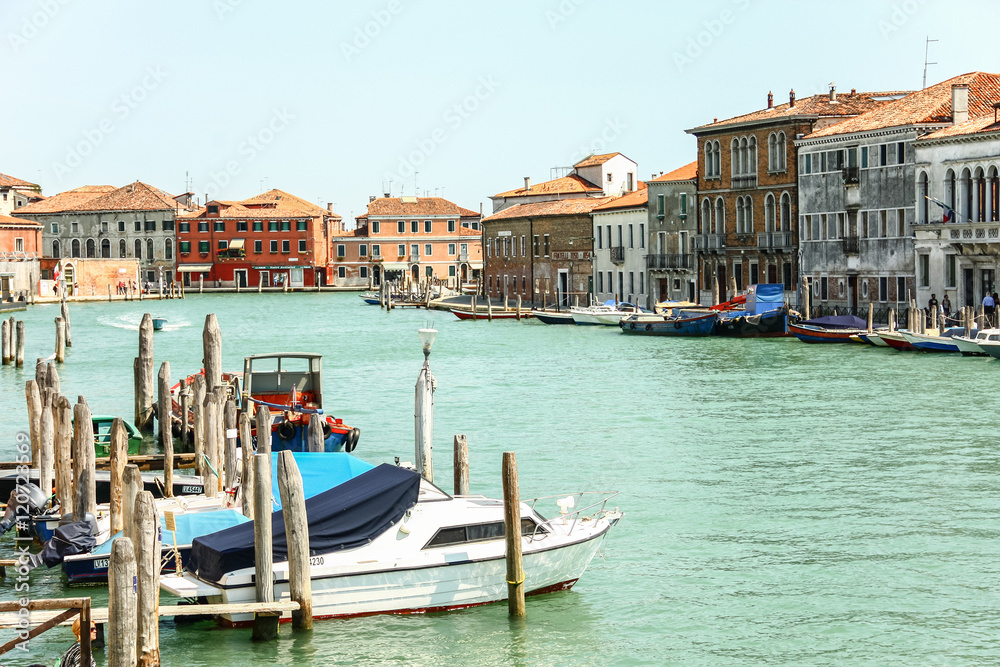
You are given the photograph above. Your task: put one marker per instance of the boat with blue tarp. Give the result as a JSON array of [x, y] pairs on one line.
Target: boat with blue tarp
[[829, 329]]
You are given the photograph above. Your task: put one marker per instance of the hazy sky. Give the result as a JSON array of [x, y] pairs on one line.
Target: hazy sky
[[332, 100]]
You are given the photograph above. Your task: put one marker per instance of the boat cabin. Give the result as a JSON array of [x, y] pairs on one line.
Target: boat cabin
[[272, 378]]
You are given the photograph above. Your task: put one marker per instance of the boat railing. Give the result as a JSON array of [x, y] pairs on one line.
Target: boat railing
[[577, 514], [287, 408]]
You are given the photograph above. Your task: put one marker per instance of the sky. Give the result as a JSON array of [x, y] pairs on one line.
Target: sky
[[335, 102]]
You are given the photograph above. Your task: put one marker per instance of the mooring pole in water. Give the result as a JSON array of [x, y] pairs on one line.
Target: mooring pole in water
[[263, 430], [265, 624], [123, 603], [62, 413], [315, 434], [210, 473], [229, 415], [512, 530], [83, 463], [871, 316], [46, 443], [293, 509], [211, 337], [164, 414], [19, 344], [60, 340], [132, 482], [424, 409], [5, 342], [119, 459], [198, 406], [247, 485], [144, 382], [147, 564], [34, 399], [461, 465]]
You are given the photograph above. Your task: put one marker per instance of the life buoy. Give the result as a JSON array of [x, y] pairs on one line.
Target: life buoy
[[286, 430]]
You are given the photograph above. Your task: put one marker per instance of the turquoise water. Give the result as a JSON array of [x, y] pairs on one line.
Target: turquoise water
[[786, 504]]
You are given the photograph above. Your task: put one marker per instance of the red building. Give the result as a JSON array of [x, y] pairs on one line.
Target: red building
[[272, 239]]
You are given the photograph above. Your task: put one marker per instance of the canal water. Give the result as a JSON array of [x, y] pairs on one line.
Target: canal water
[[785, 504]]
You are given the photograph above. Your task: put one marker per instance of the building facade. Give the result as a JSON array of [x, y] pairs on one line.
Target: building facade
[[411, 239], [672, 223], [15, 193], [20, 250], [619, 238], [607, 175]]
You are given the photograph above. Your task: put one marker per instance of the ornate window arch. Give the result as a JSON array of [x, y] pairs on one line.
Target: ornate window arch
[[91, 249], [106, 248], [75, 248], [138, 249], [770, 211], [720, 216], [122, 249]]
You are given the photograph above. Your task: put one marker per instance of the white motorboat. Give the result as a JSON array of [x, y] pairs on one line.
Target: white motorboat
[[969, 346], [608, 313], [388, 541]]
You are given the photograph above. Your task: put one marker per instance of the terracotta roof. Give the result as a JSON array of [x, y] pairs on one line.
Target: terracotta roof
[[7, 221], [595, 160], [469, 231], [558, 186], [31, 195], [395, 206], [281, 213], [71, 200], [688, 172], [467, 213], [583, 205], [282, 199], [636, 199], [980, 125], [847, 104], [136, 196], [929, 106], [11, 182]]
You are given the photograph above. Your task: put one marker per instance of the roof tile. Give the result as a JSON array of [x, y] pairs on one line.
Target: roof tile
[[583, 205], [559, 186]]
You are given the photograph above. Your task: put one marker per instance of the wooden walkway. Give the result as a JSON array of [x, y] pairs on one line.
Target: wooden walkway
[[145, 462], [99, 615]]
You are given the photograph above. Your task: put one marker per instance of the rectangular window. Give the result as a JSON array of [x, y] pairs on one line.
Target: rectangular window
[[883, 155], [600, 282], [285, 246], [414, 250], [642, 235], [258, 225], [884, 223], [341, 271], [341, 250], [620, 238], [684, 204], [121, 225], [376, 250], [363, 250], [451, 249], [414, 226], [631, 239], [738, 274], [660, 206], [301, 225], [427, 249], [451, 225], [642, 283], [428, 226], [272, 225], [950, 271], [184, 227], [754, 275], [203, 247], [900, 222], [375, 227], [168, 225], [807, 169], [523, 246], [137, 225], [900, 153], [824, 286], [599, 242], [451, 271], [213, 209], [184, 247], [631, 283], [902, 294], [535, 245], [286, 225], [223, 245], [400, 227], [786, 275], [883, 288], [274, 247], [302, 245], [611, 282], [864, 157], [220, 225], [401, 249], [241, 225], [925, 270], [363, 272], [203, 225], [258, 246], [546, 248]]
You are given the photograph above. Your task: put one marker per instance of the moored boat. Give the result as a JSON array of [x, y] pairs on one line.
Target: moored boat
[[609, 313], [896, 341], [969, 346], [665, 325], [829, 329], [931, 342], [158, 323], [481, 314], [553, 317]]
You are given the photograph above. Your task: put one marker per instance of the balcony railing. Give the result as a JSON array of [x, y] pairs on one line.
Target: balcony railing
[[463, 257], [851, 245], [705, 242], [664, 262], [618, 254], [851, 175], [414, 257], [746, 181], [776, 241]]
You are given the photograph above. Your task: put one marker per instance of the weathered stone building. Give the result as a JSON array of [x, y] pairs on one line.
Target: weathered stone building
[[15, 193], [672, 223]]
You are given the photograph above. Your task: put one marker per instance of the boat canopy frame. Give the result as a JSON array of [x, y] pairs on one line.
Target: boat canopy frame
[[281, 381]]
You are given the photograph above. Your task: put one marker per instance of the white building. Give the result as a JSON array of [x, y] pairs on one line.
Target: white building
[[620, 249], [607, 175]]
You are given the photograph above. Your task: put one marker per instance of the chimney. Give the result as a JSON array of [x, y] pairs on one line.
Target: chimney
[[959, 103], [854, 91], [386, 195], [371, 198], [770, 100], [527, 182], [833, 93], [329, 207], [791, 97]]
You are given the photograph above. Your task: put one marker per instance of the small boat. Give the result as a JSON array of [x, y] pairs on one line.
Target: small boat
[[930, 342], [608, 314], [158, 323], [896, 341], [553, 317], [829, 329], [969, 346], [871, 338], [102, 435], [389, 541], [666, 325], [498, 314]]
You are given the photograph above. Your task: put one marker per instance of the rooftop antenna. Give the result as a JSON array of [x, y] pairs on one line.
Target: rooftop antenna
[[416, 192], [927, 48]]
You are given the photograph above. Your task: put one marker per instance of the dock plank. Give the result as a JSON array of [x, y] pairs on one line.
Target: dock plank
[[10, 621]]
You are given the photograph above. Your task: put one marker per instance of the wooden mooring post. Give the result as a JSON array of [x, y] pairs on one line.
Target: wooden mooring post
[[184, 399], [198, 423], [518, 307], [263, 430], [62, 413], [247, 485], [143, 370], [293, 510], [5, 342], [315, 433], [806, 296], [46, 442], [132, 481], [265, 624], [64, 314], [19, 344], [230, 442], [84, 468], [34, 399], [512, 530], [164, 413], [212, 343], [60, 340], [210, 470], [146, 542], [52, 377], [461, 465], [119, 459], [123, 605]]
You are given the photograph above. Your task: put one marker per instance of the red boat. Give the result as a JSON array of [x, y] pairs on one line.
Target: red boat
[[482, 315], [896, 341]]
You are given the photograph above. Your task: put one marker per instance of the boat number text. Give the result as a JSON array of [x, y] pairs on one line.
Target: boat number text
[[191, 489], [316, 560], [101, 562]]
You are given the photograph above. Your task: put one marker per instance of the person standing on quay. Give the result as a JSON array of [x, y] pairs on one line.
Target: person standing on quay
[[932, 306], [989, 306], [946, 306]]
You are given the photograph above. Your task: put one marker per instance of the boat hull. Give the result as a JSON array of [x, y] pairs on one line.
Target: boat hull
[[676, 326], [813, 334], [743, 326], [553, 318], [483, 315], [896, 341], [927, 343]]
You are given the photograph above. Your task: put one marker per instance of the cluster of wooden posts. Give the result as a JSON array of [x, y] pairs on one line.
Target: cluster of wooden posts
[[12, 339], [174, 290]]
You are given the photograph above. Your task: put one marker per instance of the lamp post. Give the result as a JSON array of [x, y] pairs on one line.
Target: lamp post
[[424, 409]]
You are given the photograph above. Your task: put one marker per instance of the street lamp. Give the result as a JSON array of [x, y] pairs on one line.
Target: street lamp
[[423, 415], [427, 337]]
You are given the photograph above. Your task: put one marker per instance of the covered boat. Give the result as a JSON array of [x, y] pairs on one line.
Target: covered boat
[[764, 314], [666, 325], [829, 329]]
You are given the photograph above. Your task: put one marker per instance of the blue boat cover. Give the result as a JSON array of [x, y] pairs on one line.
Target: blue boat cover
[[347, 516], [764, 297], [189, 526], [320, 471], [838, 322]]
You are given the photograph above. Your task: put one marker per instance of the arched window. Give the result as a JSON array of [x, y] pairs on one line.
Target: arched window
[[966, 203], [105, 248], [772, 152], [706, 216], [993, 195], [923, 214], [781, 163], [739, 215], [122, 249], [979, 196], [56, 248], [734, 156], [718, 160], [168, 249], [949, 189], [785, 212], [138, 248], [91, 249], [149, 250], [75, 248], [769, 212], [750, 167], [709, 160], [720, 216]]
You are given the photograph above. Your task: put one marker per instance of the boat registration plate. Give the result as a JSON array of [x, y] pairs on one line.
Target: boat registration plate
[[191, 489], [102, 562]]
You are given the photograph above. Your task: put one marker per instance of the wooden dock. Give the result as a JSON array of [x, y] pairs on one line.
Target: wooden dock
[[99, 615], [145, 462]]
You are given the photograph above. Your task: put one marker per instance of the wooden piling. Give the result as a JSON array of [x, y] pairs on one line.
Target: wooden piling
[[60, 340], [489, 310], [83, 463], [132, 485], [314, 434], [871, 316], [212, 343], [123, 602], [198, 425], [934, 317], [119, 459], [41, 373], [146, 542], [62, 414], [11, 326], [461, 465], [473, 307], [293, 510], [64, 314], [209, 473], [512, 530], [265, 628], [34, 399], [967, 321], [46, 441], [144, 376], [183, 399], [246, 442], [806, 296], [52, 377], [263, 430], [424, 422], [518, 307], [229, 411], [892, 320], [19, 344], [5, 343]]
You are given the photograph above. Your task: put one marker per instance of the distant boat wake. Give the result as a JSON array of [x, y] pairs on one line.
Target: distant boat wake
[[132, 320]]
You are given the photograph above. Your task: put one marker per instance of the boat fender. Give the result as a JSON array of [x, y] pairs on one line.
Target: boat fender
[[327, 429], [351, 441], [631, 326], [286, 430], [649, 326], [677, 324]]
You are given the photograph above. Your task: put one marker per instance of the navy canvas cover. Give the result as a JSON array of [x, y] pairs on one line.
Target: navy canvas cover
[[349, 515], [838, 322]]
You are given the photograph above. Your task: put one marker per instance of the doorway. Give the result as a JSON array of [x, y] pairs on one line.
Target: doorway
[[562, 286], [986, 283], [240, 277], [296, 277], [852, 293]]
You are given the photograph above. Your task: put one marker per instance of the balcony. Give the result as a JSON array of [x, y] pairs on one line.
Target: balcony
[[618, 254], [774, 241], [463, 257], [851, 245], [709, 242], [669, 262], [414, 257], [744, 182], [851, 175]]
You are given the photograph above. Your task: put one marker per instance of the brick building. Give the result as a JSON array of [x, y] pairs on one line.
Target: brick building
[[415, 238], [747, 188], [273, 239]]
